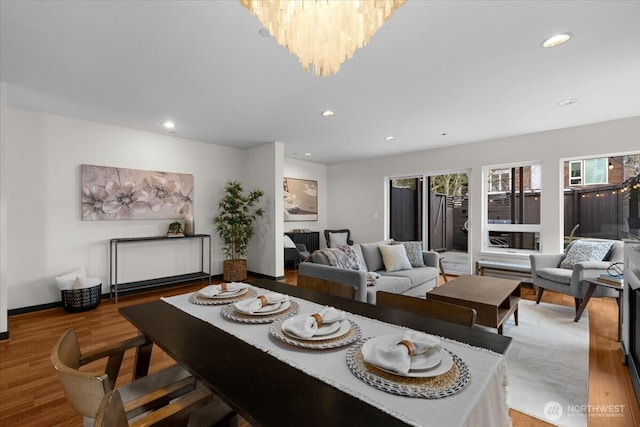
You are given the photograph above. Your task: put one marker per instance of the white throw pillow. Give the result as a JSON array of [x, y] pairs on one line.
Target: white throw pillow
[[336, 239], [394, 257], [585, 250], [288, 243]]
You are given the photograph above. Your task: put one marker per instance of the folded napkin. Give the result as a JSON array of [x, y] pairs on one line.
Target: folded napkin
[[213, 290], [306, 326], [252, 305], [396, 357]]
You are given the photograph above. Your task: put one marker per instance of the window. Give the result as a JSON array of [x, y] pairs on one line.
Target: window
[[589, 171], [575, 173], [500, 180], [513, 207], [605, 202]]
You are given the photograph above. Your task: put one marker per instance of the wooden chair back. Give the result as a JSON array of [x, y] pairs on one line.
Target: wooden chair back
[[327, 286], [84, 390], [435, 309]]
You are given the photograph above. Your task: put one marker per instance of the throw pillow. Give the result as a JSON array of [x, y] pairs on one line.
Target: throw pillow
[[414, 253], [288, 243], [336, 239], [372, 256], [394, 257], [585, 250]]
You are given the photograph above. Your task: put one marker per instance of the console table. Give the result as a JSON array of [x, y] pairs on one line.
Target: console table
[[115, 287], [311, 239]]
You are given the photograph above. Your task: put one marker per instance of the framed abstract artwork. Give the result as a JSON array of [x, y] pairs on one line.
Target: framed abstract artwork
[[300, 200], [110, 193]]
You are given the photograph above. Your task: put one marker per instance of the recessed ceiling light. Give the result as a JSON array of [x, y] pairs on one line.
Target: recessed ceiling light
[[444, 134], [169, 124], [327, 113], [307, 154], [569, 101], [264, 32], [390, 138], [556, 40]]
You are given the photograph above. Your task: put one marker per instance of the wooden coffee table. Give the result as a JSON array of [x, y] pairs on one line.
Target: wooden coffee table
[[494, 300]]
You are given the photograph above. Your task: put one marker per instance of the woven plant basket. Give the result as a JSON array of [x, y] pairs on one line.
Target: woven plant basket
[[234, 270]]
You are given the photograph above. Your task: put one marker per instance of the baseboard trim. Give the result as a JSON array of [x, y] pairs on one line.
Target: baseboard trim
[[105, 296], [264, 276], [4, 336]]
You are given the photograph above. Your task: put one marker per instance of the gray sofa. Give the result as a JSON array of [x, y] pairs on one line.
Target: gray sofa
[[413, 282]]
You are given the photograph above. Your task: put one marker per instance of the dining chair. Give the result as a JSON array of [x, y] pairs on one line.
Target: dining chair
[[86, 390], [327, 286], [112, 412], [435, 309]]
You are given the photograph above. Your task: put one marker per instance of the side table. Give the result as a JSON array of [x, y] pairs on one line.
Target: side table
[[592, 283]]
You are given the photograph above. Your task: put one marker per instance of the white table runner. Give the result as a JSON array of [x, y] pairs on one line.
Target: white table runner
[[481, 402]]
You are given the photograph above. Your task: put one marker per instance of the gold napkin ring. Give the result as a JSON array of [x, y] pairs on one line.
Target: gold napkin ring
[[410, 346], [318, 318], [223, 287], [263, 300]]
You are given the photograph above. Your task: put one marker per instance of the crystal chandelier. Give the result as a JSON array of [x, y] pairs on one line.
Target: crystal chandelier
[[322, 33]]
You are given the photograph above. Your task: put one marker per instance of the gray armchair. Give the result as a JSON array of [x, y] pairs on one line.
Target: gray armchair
[[547, 273]]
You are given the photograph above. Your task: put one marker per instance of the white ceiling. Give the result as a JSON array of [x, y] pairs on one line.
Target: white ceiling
[[474, 70]]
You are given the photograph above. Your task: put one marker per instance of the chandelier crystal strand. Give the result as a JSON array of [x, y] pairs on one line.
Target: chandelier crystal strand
[[322, 33]]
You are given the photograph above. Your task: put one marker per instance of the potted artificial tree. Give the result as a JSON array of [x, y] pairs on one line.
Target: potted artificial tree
[[234, 223]]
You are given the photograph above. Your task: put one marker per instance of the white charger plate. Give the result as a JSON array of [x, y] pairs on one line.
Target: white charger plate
[[352, 335], [429, 364], [289, 309]]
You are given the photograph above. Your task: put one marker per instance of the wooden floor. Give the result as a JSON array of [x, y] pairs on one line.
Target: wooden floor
[[30, 394]]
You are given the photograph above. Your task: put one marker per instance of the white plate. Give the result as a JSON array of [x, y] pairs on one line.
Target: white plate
[[327, 329], [228, 294], [342, 328], [445, 363], [427, 360], [267, 309]]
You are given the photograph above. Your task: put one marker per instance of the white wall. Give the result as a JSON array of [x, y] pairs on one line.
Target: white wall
[[301, 169], [357, 189], [263, 170], [4, 327], [46, 235]]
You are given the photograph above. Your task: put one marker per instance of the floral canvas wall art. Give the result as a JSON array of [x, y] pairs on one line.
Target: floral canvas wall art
[[300, 200], [110, 193]]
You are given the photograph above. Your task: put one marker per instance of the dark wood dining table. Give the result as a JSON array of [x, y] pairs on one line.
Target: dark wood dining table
[[265, 390]]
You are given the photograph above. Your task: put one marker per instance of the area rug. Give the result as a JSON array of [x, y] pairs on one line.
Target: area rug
[[548, 363]]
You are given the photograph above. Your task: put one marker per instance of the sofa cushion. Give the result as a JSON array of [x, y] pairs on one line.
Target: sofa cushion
[[336, 239], [372, 256], [417, 276], [394, 257], [560, 275], [414, 253], [393, 284], [586, 250]]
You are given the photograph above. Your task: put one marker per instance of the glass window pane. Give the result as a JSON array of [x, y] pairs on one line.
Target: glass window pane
[[521, 206], [595, 171], [514, 240]]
